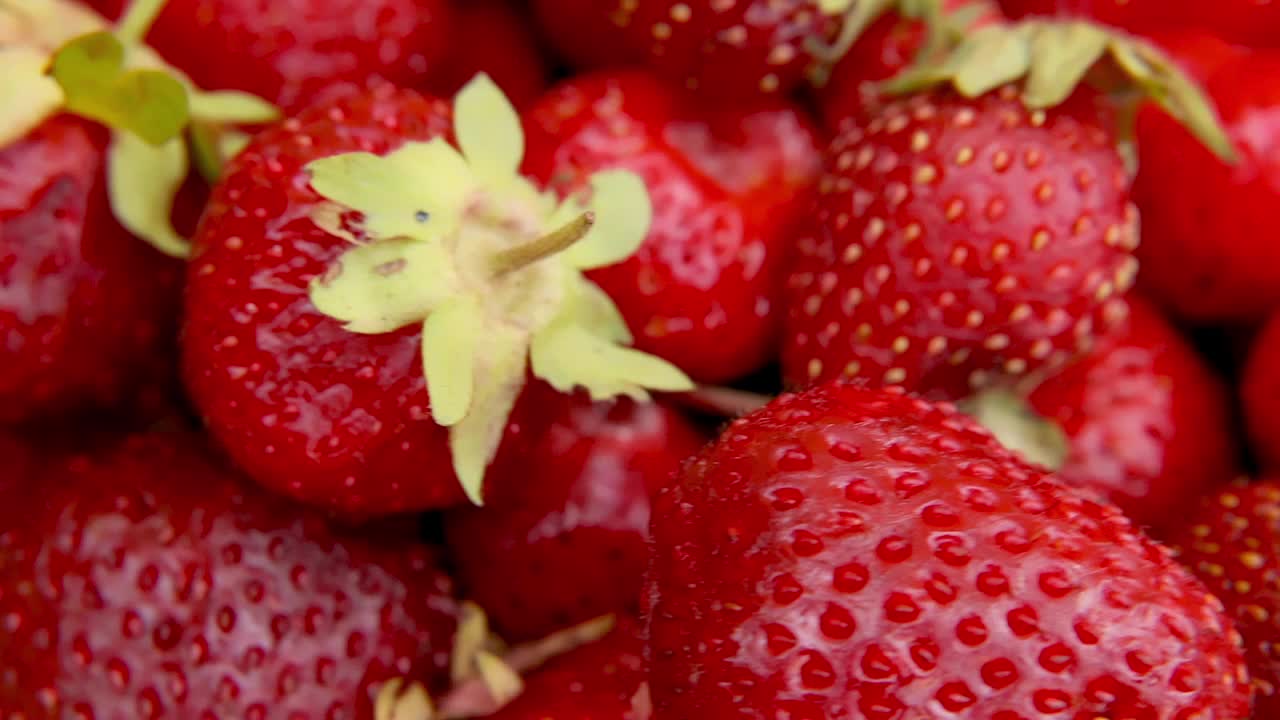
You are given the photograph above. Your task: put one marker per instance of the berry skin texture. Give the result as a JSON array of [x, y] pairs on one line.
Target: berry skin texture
[[561, 538], [290, 51], [146, 581], [493, 37], [86, 309], [958, 240], [1260, 395], [704, 290], [306, 407], [1211, 251], [1149, 423], [1233, 544], [728, 50], [849, 552], [1248, 22]]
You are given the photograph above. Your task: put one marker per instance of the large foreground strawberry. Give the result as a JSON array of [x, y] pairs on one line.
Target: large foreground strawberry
[[703, 290], [147, 581], [976, 230], [365, 302], [848, 552], [562, 538]]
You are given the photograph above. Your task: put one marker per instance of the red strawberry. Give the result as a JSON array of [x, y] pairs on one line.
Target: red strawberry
[[703, 290], [1254, 22], [289, 51], [562, 539], [306, 350], [147, 581], [597, 682], [1260, 394], [857, 553], [86, 310], [1233, 544], [959, 238], [726, 49], [1210, 251], [1147, 423], [494, 37]]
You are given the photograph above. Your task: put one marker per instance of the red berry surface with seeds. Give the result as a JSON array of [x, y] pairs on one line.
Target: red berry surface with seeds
[[703, 290], [562, 538], [1233, 544], [862, 553], [1210, 250], [147, 581]]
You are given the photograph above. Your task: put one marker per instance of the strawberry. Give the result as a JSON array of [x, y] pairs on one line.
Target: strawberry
[[493, 37], [1146, 423], [364, 302], [1260, 393], [966, 234], [562, 538], [1233, 544], [703, 290], [850, 552], [1209, 250], [725, 49], [290, 51], [148, 581], [1251, 22]]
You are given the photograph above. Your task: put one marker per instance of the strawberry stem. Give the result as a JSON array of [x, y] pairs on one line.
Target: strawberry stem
[[521, 256], [722, 401], [137, 20]]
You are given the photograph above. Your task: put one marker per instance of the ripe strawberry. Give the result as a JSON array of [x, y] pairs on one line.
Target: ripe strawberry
[[964, 235], [493, 37], [1210, 251], [289, 51], [850, 552], [703, 290], [1260, 394], [86, 310], [724, 49], [562, 539], [597, 682], [351, 260], [1233, 544], [147, 581], [1251, 22], [1146, 423]]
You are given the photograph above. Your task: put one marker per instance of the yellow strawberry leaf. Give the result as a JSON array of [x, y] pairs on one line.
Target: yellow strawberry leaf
[[450, 337], [1061, 56], [503, 682], [488, 130], [142, 180], [149, 103], [385, 285], [1000, 55], [501, 361], [568, 356], [231, 107], [597, 311], [623, 215], [27, 94]]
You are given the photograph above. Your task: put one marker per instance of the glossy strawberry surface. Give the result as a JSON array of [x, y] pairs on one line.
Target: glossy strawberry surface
[[494, 37], [848, 552], [148, 581], [86, 310], [957, 240], [1251, 22], [562, 536], [726, 185]]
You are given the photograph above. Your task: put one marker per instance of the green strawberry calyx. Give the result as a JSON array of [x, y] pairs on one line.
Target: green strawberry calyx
[[942, 26], [1051, 58], [1018, 427], [61, 57], [456, 240]]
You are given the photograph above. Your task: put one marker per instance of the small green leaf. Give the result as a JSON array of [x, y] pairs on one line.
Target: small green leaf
[[501, 361], [835, 7], [567, 356], [998, 55], [27, 94], [229, 107], [149, 103], [1019, 428], [597, 312], [142, 180], [418, 189], [385, 285], [623, 213], [137, 20], [488, 130], [449, 340], [1061, 55]]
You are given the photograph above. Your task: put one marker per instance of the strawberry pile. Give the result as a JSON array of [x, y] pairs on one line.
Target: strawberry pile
[[639, 360]]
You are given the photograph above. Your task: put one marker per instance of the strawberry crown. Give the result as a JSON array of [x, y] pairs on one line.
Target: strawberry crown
[[60, 56], [491, 267]]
